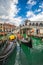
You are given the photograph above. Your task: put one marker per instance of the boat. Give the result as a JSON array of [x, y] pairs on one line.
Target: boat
[[27, 42], [34, 55], [6, 49]]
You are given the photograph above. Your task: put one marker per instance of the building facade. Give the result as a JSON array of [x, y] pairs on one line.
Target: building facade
[[6, 28], [32, 25]]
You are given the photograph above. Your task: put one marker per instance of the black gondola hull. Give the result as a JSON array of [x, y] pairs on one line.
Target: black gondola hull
[[27, 43], [6, 52]]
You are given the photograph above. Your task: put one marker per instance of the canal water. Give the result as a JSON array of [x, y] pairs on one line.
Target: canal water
[[25, 56], [17, 57]]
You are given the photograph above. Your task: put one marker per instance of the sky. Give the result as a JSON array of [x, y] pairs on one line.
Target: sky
[[17, 11]]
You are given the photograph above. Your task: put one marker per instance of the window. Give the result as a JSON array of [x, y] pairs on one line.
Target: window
[[0, 30], [36, 24]]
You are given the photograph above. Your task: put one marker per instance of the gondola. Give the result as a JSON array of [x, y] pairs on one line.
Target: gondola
[[34, 54], [6, 49], [27, 42]]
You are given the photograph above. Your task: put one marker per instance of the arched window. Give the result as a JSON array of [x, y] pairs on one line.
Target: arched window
[[29, 23], [33, 24], [23, 24], [36, 24], [40, 24]]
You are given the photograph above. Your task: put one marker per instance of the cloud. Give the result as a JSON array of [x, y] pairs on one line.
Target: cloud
[[13, 10], [38, 10], [38, 17], [17, 21], [4, 6], [31, 2], [8, 11], [41, 6], [3, 17], [30, 14], [15, 1]]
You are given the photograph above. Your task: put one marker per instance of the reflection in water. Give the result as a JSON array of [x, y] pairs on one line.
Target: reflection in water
[[25, 56], [20, 57], [17, 60]]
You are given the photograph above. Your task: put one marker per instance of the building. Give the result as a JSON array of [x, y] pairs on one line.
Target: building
[[6, 28], [32, 25]]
